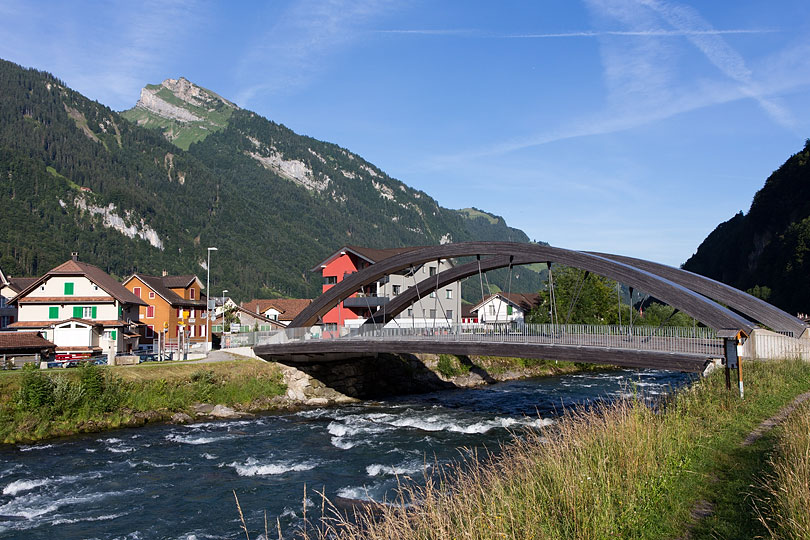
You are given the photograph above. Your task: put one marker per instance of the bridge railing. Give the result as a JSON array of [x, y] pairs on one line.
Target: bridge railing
[[695, 340]]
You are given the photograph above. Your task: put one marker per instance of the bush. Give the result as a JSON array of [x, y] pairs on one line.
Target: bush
[[450, 366], [92, 380], [36, 390], [68, 395]]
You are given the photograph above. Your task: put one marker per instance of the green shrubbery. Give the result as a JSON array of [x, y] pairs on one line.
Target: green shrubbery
[[48, 403], [451, 366]]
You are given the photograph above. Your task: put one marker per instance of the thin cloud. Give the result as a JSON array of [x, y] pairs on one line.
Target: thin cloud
[[654, 32]]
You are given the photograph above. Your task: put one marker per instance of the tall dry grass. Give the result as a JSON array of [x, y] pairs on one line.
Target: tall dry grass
[[621, 470], [786, 511]]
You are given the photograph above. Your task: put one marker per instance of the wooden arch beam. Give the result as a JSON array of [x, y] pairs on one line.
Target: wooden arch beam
[[688, 301]]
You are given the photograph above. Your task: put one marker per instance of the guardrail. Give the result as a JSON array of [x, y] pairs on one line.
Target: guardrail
[[698, 340]]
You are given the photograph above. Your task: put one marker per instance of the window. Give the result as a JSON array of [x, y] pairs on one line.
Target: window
[[2, 301], [448, 293], [202, 330], [88, 312], [179, 313], [151, 295], [150, 312], [410, 312], [69, 288], [150, 331], [450, 314], [191, 329], [53, 312], [395, 289], [433, 294], [330, 327], [191, 315], [432, 270], [432, 313], [508, 310], [492, 309], [329, 280], [192, 293], [111, 335], [137, 291]]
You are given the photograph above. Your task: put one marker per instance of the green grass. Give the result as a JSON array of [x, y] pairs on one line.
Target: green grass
[[71, 183], [474, 213], [36, 405], [619, 471]]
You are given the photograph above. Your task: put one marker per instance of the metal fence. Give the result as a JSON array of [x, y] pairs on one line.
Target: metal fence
[[697, 340]]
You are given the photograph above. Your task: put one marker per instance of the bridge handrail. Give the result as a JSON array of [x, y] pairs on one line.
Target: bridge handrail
[[699, 340]]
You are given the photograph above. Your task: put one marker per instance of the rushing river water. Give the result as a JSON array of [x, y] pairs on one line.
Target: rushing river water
[[168, 481]]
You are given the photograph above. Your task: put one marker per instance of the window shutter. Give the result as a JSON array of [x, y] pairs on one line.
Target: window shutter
[[94, 312], [114, 333], [53, 312], [77, 312], [68, 289]]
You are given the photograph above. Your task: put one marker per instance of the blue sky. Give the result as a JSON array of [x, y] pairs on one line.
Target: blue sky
[[630, 126]]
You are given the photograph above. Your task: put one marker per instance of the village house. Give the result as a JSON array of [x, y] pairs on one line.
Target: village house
[[245, 320], [81, 309], [166, 301], [438, 308], [9, 288], [282, 310], [503, 308]]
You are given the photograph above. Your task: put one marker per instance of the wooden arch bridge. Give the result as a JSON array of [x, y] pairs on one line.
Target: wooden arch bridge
[[728, 314]]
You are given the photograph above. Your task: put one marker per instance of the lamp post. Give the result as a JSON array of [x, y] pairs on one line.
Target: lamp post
[[223, 308], [208, 300]]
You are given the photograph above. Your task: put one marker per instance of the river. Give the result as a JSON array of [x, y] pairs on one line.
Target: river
[[168, 481]]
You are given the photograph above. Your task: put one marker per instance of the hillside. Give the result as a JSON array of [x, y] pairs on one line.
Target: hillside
[[767, 250], [77, 176]]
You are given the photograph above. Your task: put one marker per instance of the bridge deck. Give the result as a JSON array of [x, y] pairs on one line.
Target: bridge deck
[[681, 349]]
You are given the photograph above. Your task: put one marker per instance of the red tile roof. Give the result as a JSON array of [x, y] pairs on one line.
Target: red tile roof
[[23, 341], [48, 324], [289, 308]]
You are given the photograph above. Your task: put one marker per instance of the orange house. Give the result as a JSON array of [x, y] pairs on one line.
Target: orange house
[[166, 298]]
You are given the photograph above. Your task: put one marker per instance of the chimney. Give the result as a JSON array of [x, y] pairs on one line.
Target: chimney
[[74, 256], [165, 273]]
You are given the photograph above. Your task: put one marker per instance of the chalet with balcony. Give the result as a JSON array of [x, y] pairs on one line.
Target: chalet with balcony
[[166, 301], [9, 288], [81, 309]]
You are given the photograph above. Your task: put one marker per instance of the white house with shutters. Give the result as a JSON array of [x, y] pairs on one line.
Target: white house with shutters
[[504, 308], [80, 308]]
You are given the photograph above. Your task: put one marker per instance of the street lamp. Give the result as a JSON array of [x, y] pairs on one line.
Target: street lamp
[[223, 308], [208, 299]]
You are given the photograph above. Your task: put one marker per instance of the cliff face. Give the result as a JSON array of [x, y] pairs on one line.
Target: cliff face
[[767, 250]]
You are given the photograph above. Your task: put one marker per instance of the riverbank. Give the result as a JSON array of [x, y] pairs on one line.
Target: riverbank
[[38, 405], [620, 470]]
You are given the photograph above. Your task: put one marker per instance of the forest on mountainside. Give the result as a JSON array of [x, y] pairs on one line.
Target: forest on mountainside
[[766, 251], [71, 169]]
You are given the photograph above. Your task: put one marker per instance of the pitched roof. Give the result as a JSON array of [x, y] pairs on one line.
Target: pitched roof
[[289, 308], [162, 286], [253, 314], [18, 284], [523, 301], [50, 323], [179, 282], [466, 310], [95, 274], [372, 255], [23, 341]]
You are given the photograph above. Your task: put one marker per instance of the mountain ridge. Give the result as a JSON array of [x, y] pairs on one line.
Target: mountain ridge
[[77, 176]]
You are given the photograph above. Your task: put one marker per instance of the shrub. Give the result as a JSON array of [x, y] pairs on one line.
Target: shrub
[[68, 395], [36, 390], [450, 366], [92, 380]]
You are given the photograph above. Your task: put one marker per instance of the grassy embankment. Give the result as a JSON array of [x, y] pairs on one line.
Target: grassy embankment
[[620, 471], [36, 404], [503, 368], [787, 487]]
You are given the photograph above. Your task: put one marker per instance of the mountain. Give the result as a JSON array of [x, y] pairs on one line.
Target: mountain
[[150, 188], [767, 250]]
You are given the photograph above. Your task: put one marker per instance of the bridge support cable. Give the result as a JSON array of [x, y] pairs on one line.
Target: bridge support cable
[[509, 287], [444, 313], [480, 276], [575, 298], [554, 313], [631, 313], [619, 301]]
